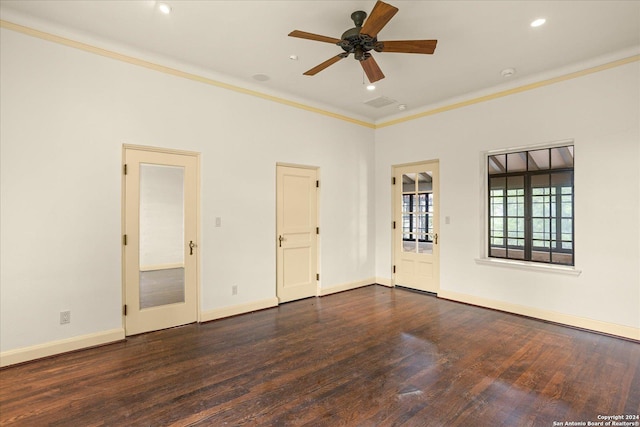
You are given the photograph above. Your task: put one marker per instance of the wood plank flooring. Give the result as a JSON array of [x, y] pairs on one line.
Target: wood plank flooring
[[373, 356]]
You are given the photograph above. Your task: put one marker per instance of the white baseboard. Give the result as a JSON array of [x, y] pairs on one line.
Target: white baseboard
[[39, 351], [234, 310], [551, 316], [384, 282], [346, 287]]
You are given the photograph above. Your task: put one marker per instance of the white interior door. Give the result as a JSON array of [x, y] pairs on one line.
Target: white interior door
[[161, 234], [297, 213], [416, 218]]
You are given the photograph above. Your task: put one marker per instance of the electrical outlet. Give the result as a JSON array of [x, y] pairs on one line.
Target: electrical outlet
[[65, 317], [234, 290]]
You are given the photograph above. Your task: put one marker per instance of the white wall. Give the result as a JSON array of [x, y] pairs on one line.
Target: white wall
[[601, 113], [65, 115]]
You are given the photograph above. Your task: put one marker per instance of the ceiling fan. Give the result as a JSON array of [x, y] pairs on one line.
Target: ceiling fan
[[361, 39]]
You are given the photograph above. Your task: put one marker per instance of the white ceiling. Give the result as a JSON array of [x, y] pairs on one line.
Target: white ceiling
[[236, 40]]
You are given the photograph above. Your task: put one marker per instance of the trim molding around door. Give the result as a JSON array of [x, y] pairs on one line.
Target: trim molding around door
[[194, 154]]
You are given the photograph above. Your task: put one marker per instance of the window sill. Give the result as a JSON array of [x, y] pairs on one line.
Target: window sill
[[530, 266]]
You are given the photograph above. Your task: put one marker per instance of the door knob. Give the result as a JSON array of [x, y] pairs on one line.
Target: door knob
[[191, 246]]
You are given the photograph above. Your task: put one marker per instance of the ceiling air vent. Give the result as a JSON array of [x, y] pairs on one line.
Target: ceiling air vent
[[381, 101]]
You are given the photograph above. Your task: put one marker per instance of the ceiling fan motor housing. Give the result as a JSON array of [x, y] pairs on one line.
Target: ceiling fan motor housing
[[359, 44]]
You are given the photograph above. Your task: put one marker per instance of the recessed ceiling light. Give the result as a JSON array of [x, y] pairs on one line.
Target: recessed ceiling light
[[371, 87], [538, 22], [508, 72], [293, 57], [164, 8]]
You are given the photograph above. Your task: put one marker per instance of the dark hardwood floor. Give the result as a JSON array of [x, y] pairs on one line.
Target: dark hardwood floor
[[373, 356]]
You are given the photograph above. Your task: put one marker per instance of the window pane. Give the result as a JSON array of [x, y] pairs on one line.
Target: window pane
[[497, 185], [422, 202], [540, 206], [539, 159], [562, 157], [407, 223], [425, 181], [562, 179], [407, 202], [541, 181], [517, 162], [425, 247], [540, 256], [515, 253], [408, 182], [562, 258], [409, 246], [498, 252], [497, 227], [422, 223], [497, 164], [515, 184], [515, 228]]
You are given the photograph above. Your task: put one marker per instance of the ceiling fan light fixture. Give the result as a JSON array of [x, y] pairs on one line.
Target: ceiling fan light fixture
[[371, 87], [538, 22]]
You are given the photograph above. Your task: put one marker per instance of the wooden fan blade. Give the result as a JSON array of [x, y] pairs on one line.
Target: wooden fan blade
[[409, 46], [315, 70], [372, 70], [380, 15], [311, 36]]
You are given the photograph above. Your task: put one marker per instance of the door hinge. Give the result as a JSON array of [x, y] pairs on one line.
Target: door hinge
[[124, 239], [317, 230], [393, 181], [317, 184], [394, 269], [394, 225], [317, 276], [124, 168], [124, 310]]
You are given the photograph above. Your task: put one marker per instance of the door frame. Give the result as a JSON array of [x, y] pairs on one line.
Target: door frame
[[318, 257], [162, 150], [398, 229]]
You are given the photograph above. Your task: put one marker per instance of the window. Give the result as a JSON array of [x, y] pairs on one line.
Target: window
[[419, 219], [531, 201], [417, 212]]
